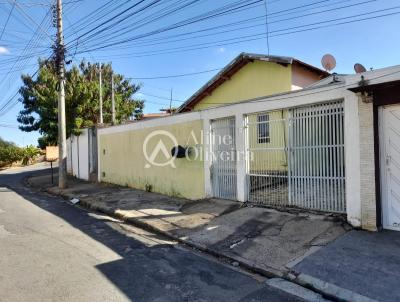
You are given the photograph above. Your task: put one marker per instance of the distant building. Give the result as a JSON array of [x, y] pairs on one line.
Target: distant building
[[148, 116]]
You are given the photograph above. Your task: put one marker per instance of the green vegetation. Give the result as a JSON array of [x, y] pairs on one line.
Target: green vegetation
[[39, 98], [10, 153]]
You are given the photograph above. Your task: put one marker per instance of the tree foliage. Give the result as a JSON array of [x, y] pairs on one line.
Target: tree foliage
[[10, 153], [39, 97]]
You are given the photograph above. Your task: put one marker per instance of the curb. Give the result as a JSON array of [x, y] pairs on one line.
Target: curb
[[295, 290], [269, 274], [285, 281], [331, 290]]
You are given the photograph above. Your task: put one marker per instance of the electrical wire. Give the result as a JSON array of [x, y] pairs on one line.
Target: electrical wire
[[7, 20]]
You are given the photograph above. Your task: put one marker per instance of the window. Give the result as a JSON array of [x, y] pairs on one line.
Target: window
[[263, 128]]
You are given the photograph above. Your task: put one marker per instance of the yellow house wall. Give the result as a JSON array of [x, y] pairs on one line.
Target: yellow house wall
[[254, 80], [123, 162], [275, 158]]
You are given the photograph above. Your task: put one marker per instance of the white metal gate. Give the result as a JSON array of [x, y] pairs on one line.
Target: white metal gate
[[267, 158], [223, 167], [296, 157]]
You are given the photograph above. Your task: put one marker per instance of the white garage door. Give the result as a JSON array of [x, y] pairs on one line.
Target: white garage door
[[390, 166]]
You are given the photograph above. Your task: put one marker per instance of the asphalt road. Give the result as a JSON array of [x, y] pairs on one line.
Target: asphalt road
[[53, 251]]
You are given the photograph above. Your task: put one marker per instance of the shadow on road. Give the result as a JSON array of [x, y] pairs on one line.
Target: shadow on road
[[156, 272]]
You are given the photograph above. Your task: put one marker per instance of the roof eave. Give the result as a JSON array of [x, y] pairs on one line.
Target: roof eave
[[234, 64]]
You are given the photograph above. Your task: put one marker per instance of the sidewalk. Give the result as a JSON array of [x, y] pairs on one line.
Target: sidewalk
[[360, 262], [264, 240]]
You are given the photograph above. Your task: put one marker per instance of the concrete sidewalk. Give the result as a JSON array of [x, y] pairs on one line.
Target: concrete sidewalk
[[264, 240], [361, 262]]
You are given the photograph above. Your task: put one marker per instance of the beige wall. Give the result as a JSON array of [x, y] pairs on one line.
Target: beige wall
[[254, 80], [275, 158], [123, 162], [303, 77]]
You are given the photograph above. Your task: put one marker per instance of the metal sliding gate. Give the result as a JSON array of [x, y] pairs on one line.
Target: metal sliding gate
[[295, 157], [223, 164]]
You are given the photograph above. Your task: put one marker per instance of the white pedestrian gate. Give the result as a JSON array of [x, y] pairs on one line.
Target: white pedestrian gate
[[223, 162], [295, 157], [390, 166]]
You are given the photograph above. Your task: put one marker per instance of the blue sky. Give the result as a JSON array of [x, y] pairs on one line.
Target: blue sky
[[375, 43]]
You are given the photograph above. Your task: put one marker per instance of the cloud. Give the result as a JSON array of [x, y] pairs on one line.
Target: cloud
[[3, 50], [221, 49]]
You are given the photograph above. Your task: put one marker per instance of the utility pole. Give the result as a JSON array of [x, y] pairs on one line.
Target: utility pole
[[170, 104], [62, 133], [101, 96], [112, 99]]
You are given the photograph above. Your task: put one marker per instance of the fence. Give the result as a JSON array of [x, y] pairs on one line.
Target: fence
[[296, 157]]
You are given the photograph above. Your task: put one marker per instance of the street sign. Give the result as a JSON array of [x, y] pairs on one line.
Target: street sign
[[51, 153]]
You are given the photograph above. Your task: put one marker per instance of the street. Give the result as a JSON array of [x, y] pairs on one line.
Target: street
[[53, 251]]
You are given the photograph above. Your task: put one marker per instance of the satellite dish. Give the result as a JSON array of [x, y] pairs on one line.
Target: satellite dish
[[328, 62], [359, 68]]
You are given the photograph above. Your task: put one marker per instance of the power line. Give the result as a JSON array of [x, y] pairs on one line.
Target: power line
[[266, 24], [278, 12], [343, 18], [169, 40], [31, 19], [160, 97], [199, 18], [8, 126], [8, 19], [23, 56], [8, 104], [258, 36], [174, 75]]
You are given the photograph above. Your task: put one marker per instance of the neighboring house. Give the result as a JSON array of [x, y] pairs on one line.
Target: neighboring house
[[378, 145], [250, 76], [148, 116]]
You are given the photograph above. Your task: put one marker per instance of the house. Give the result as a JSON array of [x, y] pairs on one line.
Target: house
[[247, 76], [250, 76], [333, 146], [379, 148]]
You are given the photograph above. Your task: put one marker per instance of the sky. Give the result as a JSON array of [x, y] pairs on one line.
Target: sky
[[304, 29]]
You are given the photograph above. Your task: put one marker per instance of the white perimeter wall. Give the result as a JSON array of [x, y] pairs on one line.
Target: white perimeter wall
[[78, 155], [335, 91]]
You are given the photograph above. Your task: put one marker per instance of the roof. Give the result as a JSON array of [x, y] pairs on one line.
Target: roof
[[235, 65], [333, 78], [155, 115], [374, 87]]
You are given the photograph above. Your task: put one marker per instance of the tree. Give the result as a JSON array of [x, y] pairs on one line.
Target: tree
[[9, 153], [39, 98]]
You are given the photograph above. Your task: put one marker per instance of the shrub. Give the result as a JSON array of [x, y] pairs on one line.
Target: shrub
[[29, 153], [9, 154]]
